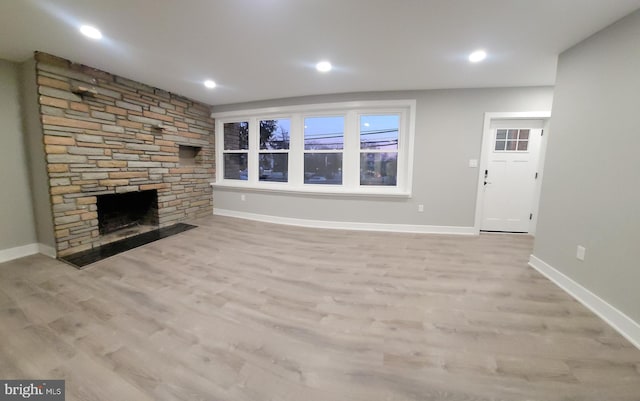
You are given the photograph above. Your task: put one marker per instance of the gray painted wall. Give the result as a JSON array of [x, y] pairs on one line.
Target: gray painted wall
[[591, 189], [16, 217], [448, 133], [35, 154]]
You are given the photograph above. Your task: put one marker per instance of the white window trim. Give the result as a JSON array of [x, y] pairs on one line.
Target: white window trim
[[297, 113]]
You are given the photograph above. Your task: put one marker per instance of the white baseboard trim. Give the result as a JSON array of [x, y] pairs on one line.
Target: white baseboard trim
[[47, 250], [26, 250], [18, 252], [622, 323], [347, 225]]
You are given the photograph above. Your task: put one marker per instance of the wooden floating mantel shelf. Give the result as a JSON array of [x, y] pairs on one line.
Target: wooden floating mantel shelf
[[84, 90]]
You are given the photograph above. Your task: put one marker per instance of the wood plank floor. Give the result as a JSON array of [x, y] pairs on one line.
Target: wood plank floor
[[241, 310]]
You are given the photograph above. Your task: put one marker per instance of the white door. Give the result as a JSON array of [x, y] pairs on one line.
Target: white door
[[510, 179]]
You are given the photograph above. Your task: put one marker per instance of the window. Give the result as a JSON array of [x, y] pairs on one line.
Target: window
[[274, 150], [379, 149], [512, 140], [338, 148], [236, 149], [323, 145]]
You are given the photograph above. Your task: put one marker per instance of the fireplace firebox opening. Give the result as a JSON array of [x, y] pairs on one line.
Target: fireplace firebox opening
[[121, 211]]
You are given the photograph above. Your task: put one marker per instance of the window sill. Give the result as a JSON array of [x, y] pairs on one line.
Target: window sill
[[325, 190]]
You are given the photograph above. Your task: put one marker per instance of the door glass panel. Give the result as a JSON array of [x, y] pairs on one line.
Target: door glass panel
[[512, 140], [523, 145]]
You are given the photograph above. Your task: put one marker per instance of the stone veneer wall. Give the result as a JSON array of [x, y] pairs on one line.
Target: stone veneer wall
[[110, 142]]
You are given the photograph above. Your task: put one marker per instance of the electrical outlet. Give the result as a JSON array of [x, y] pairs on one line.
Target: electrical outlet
[[243, 197], [473, 163], [580, 252], [421, 208]]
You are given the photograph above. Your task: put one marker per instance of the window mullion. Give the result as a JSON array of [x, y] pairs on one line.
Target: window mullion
[[254, 146], [403, 148], [296, 151], [350, 154], [219, 146]]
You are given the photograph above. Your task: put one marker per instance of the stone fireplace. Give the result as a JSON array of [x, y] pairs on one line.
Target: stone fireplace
[[119, 154]]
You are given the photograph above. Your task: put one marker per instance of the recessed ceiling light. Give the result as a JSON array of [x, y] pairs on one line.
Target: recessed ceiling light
[[209, 84], [477, 56], [90, 32], [324, 66]]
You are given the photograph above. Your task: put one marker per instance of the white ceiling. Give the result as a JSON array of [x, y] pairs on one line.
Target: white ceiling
[[264, 49]]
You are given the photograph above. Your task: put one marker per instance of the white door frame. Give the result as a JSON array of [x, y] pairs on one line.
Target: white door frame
[[486, 140]]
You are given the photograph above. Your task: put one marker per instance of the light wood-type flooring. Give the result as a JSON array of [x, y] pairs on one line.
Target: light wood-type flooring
[[242, 310]]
